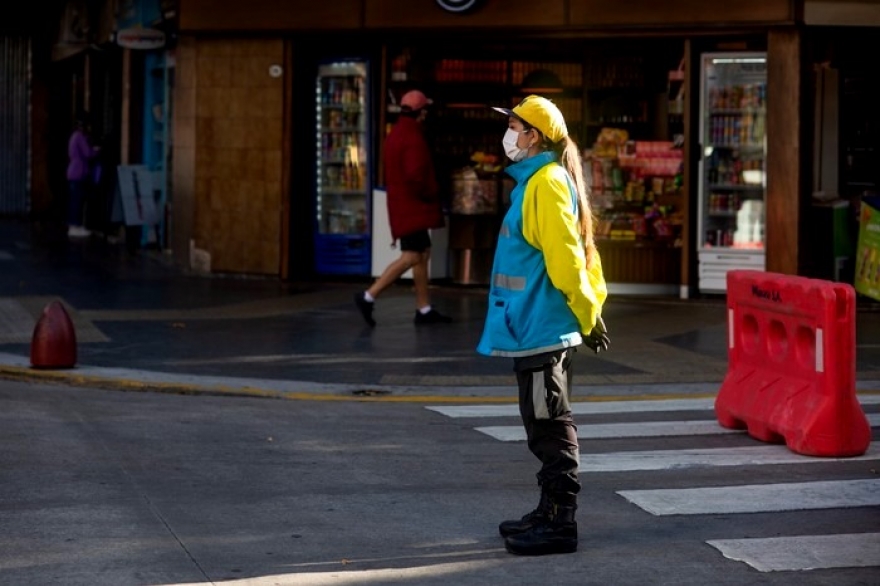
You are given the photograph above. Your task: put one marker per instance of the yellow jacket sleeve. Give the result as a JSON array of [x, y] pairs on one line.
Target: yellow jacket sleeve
[[550, 225]]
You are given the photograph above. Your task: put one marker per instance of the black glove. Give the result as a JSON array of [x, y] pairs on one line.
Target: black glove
[[598, 340]]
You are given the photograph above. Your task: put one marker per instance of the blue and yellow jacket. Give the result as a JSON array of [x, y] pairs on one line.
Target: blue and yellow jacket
[[542, 295]]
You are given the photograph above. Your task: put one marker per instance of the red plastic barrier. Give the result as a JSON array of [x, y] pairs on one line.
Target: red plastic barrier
[[53, 344], [792, 364]]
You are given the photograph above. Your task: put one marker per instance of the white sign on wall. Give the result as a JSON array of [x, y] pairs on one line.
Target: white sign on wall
[[135, 201], [142, 39]]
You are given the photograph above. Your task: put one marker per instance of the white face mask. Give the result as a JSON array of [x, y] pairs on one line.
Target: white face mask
[[513, 152]]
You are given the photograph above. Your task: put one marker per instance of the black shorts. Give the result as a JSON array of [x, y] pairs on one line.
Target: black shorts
[[416, 242]]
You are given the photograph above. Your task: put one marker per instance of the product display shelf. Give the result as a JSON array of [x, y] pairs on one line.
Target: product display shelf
[[730, 230], [636, 191], [342, 171]]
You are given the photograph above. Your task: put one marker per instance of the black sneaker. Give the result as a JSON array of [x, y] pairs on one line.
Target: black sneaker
[[366, 308], [432, 317]]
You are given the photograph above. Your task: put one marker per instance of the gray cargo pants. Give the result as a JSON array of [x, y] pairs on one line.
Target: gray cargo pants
[[544, 403]]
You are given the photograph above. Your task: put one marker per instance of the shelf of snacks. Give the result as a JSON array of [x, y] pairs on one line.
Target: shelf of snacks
[[635, 188], [636, 196]]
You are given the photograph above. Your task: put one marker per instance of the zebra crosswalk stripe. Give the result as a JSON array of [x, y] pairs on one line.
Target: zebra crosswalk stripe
[[511, 433], [803, 552], [757, 498], [516, 433], [709, 457], [600, 407], [584, 408]]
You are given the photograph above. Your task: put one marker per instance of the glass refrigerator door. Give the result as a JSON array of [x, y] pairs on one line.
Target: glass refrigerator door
[[732, 179], [342, 173]]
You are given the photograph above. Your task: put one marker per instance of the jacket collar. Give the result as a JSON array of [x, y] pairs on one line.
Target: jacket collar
[[527, 167]]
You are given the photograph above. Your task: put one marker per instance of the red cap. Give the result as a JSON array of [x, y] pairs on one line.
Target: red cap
[[414, 100]]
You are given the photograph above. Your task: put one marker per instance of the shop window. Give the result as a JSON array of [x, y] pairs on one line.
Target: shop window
[[625, 99]]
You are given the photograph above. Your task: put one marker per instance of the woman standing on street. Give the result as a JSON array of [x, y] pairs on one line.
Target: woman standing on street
[[80, 154], [545, 299]]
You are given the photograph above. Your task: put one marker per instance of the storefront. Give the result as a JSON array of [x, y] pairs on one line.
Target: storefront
[[251, 161], [111, 60], [615, 94]]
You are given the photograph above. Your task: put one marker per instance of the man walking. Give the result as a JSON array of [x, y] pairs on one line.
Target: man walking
[[413, 209]]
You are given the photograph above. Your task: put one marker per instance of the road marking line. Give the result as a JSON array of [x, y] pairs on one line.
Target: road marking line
[[580, 408], [803, 552], [516, 433], [710, 457], [309, 359], [593, 408], [757, 498], [510, 433]]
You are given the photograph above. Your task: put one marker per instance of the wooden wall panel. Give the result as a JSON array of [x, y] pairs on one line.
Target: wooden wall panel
[[284, 170], [300, 15], [784, 150], [640, 262], [493, 13], [842, 12], [237, 195], [293, 15], [269, 15], [651, 13]]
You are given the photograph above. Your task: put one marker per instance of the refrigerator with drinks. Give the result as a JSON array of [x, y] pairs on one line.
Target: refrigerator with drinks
[[343, 182], [732, 180]]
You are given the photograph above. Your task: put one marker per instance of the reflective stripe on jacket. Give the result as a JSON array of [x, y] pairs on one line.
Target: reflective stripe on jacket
[[542, 296]]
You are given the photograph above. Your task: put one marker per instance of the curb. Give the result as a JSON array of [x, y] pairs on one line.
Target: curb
[[304, 391], [373, 395]]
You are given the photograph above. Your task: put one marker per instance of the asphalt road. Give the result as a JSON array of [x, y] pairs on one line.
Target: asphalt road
[[118, 488]]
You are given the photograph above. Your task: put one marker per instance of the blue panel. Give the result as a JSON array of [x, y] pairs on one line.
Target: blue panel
[[341, 254], [154, 109]]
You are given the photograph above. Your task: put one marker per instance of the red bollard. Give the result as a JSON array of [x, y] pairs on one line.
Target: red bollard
[[792, 364], [54, 341]]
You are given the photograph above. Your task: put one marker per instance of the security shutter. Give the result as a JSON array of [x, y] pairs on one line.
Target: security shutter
[[15, 148]]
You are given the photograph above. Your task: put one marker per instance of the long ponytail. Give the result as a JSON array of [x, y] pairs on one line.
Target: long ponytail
[[570, 158]]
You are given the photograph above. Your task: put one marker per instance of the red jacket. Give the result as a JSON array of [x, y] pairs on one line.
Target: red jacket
[[413, 195]]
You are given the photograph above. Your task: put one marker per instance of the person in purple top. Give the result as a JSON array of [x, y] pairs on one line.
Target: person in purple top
[[80, 153]]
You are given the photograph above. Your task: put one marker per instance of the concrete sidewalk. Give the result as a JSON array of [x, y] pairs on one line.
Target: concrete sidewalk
[[141, 324]]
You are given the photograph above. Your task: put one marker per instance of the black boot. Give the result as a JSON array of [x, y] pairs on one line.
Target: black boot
[[536, 517], [555, 535]]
